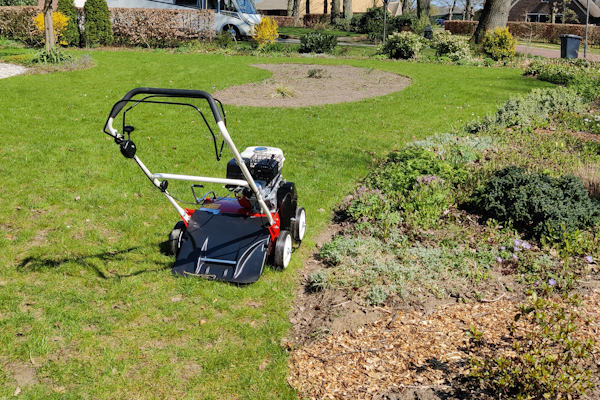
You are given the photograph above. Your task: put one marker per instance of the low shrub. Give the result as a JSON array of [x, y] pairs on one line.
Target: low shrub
[[317, 42], [403, 169], [403, 45], [580, 75], [265, 32], [547, 359], [54, 56], [530, 109], [499, 44], [318, 281], [536, 204], [427, 201], [98, 28], [447, 45]]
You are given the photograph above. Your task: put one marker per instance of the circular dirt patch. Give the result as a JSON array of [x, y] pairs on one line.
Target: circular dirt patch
[[299, 85]]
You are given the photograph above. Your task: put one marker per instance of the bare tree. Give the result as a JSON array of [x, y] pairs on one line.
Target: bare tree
[[48, 25], [451, 11], [494, 14], [290, 7], [466, 10]]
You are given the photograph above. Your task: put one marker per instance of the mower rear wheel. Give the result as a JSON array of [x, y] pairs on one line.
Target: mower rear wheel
[[283, 249], [175, 238], [299, 224]]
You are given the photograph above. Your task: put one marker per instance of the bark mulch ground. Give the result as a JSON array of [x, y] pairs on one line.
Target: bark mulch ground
[[411, 354]]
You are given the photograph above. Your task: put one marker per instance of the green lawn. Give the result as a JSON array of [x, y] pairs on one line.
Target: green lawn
[[87, 299]]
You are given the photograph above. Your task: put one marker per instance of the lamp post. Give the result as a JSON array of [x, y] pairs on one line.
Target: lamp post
[[587, 22], [385, 3]]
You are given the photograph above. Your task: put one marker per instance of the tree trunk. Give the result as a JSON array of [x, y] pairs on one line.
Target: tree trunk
[[348, 10], [451, 13], [565, 3], [552, 6], [296, 12], [290, 7], [405, 8], [466, 10], [494, 14], [335, 10], [48, 25], [422, 8]]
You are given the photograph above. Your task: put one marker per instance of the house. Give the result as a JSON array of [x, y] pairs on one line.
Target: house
[[541, 11], [279, 7]]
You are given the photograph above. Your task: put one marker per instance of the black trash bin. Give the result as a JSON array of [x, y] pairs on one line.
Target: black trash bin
[[569, 45], [428, 32]]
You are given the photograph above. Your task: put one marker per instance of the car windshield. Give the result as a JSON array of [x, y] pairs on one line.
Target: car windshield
[[246, 6]]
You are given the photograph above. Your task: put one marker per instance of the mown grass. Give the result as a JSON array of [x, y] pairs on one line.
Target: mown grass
[[87, 299]]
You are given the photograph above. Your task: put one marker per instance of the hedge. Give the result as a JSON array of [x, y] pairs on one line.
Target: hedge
[[283, 20], [17, 23], [160, 27], [131, 26], [538, 31], [310, 20]]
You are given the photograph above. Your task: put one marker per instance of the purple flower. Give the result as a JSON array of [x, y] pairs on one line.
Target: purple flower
[[551, 282], [526, 245], [502, 248], [518, 242], [589, 259], [499, 259], [514, 257], [536, 283]]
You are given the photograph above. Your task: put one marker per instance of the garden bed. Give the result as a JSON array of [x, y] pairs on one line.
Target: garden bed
[[399, 302], [300, 85]]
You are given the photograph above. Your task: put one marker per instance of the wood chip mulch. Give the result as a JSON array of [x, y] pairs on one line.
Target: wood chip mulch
[[409, 349]]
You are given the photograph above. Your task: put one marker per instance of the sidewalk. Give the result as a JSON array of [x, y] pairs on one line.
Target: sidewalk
[[550, 53]]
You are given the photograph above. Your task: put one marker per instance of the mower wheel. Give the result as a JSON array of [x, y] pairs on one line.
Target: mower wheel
[[299, 224], [175, 238], [283, 249]]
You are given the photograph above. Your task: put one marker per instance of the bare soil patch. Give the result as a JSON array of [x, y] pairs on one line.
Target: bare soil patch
[[300, 85]]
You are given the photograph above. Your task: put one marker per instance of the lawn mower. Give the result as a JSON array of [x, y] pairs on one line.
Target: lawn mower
[[230, 237]]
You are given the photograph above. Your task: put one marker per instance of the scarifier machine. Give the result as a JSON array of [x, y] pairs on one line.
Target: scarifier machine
[[227, 237]]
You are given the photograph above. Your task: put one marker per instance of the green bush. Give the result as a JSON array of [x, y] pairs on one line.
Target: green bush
[[536, 204], [447, 45], [317, 281], [98, 29], [548, 360], [581, 75], [527, 110], [317, 42], [403, 45], [403, 169], [71, 32], [54, 56], [499, 44], [425, 204]]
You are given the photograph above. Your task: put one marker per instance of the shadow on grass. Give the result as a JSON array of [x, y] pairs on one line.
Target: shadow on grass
[[90, 261]]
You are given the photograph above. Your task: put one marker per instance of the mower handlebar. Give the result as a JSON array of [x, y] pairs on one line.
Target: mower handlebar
[[186, 93]]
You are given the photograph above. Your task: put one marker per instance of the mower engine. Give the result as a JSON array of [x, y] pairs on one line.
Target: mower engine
[[264, 164]]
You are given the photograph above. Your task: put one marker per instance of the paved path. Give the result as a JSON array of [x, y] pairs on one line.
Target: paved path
[[8, 70], [551, 53]]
